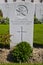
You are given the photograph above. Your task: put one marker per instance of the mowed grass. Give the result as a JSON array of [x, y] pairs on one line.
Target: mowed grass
[[21, 64], [38, 34], [4, 29]]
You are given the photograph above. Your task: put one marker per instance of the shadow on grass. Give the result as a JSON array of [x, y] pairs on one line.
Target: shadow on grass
[[36, 45]]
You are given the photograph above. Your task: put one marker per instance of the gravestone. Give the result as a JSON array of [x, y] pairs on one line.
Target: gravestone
[[2, 1], [3, 8], [10, 1], [28, 0], [21, 16], [39, 11]]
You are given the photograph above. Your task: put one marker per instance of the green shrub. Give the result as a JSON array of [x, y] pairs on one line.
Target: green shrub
[[4, 20], [36, 21], [5, 40], [1, 13], [21, 52], [7, 46], [1, 45]]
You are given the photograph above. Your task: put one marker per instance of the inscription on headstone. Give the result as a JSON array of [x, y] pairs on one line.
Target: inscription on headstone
[[21, 33]]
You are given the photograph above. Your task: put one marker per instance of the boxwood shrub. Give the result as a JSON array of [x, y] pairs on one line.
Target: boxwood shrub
[[21, 52], [36, 21]]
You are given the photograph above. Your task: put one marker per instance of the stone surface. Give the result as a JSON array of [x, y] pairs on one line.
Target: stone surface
[[3, 8], [39, 11], [2, 1], [21, 22]]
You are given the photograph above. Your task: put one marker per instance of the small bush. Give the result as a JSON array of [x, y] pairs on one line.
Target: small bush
[[21, 52], [5, 41], [7, 46], [36, 21], [4, 20]]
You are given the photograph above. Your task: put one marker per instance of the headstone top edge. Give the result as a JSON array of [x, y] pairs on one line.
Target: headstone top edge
[[16, 2]]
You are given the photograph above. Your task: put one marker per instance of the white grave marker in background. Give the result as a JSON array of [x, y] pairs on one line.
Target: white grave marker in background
[[21, 16], [39, 11], [3, 8], [2, 1]]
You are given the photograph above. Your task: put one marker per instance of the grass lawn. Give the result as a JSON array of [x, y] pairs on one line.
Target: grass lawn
[[4, 29], [38, 32], [20, 64]]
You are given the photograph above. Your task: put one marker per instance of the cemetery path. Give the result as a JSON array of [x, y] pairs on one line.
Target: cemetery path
[[3, 55], [36, 57]]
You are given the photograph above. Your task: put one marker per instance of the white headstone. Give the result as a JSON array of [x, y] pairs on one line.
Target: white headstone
[[39, 11], [18, 0], [10, 1], [36, 1], [28, 0], [3, 8], [21, 16], [2, 1]]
